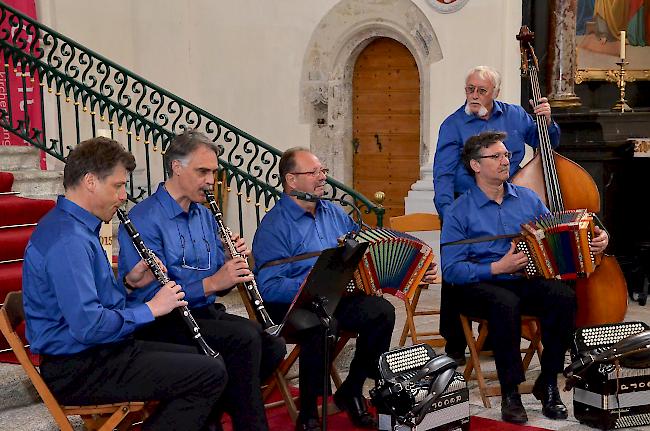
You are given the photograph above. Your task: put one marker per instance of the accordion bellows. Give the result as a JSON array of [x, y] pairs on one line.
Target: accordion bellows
[[394, 263], [557, 245]]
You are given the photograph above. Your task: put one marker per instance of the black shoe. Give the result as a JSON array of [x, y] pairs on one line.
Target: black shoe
[[356, 409], [310, 424], [549, 395], [512, 410], [459, 357]]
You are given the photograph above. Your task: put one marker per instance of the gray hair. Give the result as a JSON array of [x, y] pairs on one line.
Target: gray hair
[[487, 72], [183, 145]]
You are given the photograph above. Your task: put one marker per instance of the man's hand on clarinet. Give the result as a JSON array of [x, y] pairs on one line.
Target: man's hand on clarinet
[[240, 245], [141, 275], [233, 272], [168, 297], [599, 243]]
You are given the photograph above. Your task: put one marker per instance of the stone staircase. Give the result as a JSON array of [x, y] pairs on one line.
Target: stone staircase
[[29, 179]]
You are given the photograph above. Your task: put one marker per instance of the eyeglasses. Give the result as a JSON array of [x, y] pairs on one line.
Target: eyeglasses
[[470, 89], [186, 266], [497, 156], [313, 173]]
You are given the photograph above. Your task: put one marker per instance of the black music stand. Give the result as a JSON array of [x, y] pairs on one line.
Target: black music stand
[[319, 296]]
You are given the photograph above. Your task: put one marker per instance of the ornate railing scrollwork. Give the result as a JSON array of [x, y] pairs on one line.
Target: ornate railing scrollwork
[[85, 91]]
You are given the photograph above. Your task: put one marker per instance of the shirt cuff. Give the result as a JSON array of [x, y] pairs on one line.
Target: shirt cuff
[[483, 271], [142, 314]]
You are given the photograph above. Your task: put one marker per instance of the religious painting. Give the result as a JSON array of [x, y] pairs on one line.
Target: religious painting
[[608, 31]]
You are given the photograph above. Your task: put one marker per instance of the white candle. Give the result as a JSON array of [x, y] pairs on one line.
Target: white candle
[[622, 44]]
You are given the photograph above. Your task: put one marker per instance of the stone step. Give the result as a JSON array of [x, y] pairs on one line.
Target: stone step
[[34, 183], [15, 158], [15, 387], [33, 417], [20, 406]]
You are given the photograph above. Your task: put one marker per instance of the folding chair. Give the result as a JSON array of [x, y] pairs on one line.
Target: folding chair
[[279, 377], [105, 417], [418, 222], [530, 331]]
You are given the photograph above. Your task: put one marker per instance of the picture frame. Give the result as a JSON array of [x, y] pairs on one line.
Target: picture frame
[[598, 47]]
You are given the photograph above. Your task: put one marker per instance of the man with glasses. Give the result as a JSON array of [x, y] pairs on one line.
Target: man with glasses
[[487, 274], [184, 235], [286, 238], [480, 112]]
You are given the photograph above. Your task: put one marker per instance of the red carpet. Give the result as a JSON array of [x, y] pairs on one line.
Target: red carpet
[[482, 424], [279, 421]]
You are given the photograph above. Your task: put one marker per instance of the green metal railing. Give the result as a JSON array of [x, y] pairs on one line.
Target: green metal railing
[[82, 92]]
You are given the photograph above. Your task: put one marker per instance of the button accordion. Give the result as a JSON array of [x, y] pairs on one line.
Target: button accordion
[[610, 396], [557, 245], [394, 262], [449, 412]]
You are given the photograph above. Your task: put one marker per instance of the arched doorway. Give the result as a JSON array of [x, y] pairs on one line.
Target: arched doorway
[[386, 123]]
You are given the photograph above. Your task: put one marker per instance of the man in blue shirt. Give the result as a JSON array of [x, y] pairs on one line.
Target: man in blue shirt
[[486, 274], [480, 112], [77, 316], [184, 235], [294, 227]]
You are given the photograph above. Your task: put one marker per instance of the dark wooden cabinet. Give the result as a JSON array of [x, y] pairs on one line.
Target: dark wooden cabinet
[[598, 141]]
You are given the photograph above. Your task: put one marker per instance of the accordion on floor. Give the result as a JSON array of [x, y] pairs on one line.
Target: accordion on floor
[[450, 412], [557, 245], [610, 397], [394, 262]]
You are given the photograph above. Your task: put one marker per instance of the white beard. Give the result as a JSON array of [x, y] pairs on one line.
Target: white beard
[[482, 112]]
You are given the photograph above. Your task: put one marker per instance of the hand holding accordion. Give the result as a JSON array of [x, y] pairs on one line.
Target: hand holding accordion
[[557, 245]]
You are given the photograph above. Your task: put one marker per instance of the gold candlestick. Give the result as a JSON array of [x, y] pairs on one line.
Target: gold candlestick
[[621, 105]]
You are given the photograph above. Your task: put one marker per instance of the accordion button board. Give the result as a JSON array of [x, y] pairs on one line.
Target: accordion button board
[[610, 397]]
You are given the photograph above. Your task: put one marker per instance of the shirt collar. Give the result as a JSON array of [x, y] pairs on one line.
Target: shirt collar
[[87, 218], [169, 205], [481, 198], [295, 210]]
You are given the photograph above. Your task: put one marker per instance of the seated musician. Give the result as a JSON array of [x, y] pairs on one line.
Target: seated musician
[[486, 274], [184, 235], [294, 227], [77, 316]]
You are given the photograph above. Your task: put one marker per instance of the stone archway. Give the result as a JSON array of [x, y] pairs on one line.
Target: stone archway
[[326, 79]]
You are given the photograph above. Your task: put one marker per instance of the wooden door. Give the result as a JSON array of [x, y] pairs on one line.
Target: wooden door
[[386, 125]]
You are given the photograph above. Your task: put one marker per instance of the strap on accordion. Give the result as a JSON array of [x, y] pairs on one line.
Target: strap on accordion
[[291, 259]]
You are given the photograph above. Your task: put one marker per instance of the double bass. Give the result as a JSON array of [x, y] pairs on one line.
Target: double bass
[[563, 184]]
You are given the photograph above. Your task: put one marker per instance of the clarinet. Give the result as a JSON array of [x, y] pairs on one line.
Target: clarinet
[[150, 259], [251, 287]]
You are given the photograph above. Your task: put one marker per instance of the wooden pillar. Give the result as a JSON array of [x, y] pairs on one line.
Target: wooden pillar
[[562, 54]]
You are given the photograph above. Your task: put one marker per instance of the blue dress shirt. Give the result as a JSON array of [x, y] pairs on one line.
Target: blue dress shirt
[[72, 301], [187, 243], [449, 175], [474, 215], [288, 230]]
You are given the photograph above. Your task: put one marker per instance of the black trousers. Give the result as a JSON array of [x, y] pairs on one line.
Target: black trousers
[[502, 303], [187, 384], [450, 327], [251, 355], [371, 317]]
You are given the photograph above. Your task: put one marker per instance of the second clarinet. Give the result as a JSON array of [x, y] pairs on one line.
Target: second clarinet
[[148, 256], [251, 287]]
